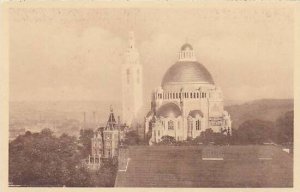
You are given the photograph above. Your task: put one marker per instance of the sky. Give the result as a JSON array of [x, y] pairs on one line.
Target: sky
[[76, 54]]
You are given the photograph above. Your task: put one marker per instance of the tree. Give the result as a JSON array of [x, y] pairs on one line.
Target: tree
[[167, 140], [255, 132], [85, 139], [41, 159], [221, 139], [131, 138], [105, 176], [207, 136], [285, 128]]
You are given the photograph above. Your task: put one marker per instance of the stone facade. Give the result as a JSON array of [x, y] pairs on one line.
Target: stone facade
[[132, 82], [106, 142], [187, 102]]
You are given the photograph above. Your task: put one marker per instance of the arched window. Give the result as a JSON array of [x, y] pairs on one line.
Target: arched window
[[198, 125], [194, 95], [170, 125], [197, 95], [191, 95]]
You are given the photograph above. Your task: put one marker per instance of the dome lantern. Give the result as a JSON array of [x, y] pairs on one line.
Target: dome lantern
[[187, 53]]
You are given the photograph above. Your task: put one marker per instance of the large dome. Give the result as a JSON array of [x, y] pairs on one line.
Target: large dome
[[187, 72]]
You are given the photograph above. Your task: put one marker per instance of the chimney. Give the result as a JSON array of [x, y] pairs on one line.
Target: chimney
[[84, 120]]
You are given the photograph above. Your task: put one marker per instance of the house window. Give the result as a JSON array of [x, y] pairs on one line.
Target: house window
[[198, 125], [171, 125]]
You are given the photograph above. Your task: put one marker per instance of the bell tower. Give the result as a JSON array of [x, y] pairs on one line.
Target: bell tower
[[132, 89]]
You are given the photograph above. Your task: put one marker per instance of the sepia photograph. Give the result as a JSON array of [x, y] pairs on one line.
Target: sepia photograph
[[151, 96]]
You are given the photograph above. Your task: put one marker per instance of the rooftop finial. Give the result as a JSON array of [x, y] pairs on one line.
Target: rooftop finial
[[187, 53]]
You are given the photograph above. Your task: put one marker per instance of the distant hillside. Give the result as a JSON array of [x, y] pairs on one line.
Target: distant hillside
[[264, 109], [63, 109]]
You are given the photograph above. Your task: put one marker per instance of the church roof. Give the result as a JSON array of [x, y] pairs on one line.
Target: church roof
[[169, 109], [150, 113], [185, 72], [111, 120], [185, 46], [194, 113]]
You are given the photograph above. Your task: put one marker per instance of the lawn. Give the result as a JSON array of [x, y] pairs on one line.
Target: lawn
[[182, 166]]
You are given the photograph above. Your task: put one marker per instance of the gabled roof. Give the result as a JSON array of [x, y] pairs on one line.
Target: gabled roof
[[111, 123]]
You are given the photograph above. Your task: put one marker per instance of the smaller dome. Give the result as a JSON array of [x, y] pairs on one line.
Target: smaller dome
[[150, 113], [169, 109], [194, 113], [186, 46]]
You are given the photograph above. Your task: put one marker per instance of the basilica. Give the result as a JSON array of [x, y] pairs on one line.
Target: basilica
[[187, 102]]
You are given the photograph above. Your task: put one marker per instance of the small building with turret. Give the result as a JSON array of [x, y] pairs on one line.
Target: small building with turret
[[106, 141]]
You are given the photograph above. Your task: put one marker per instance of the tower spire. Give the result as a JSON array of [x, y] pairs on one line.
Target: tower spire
[[111, 120], [132, 82]]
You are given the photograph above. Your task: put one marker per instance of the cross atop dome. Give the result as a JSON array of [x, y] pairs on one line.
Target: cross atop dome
[[187, 53]]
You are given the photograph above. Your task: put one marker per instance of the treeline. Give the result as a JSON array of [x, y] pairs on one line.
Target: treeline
[[42, 159], [258, 131]]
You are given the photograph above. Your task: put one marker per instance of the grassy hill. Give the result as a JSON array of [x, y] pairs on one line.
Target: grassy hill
[[264, 109]]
